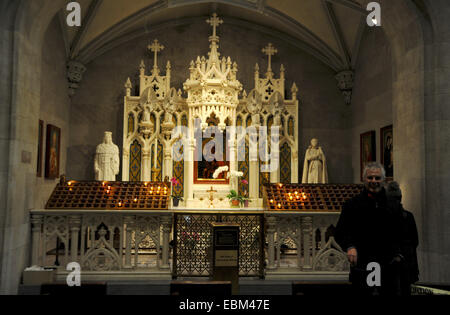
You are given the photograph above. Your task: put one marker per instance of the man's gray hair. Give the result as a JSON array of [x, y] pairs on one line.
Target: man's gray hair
[[373, 166]]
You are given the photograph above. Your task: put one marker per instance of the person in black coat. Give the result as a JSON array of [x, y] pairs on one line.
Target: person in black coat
[[406, 269], [368, 231]]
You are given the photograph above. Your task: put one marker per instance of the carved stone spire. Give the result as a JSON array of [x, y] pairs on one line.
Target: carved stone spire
[[214, 21]]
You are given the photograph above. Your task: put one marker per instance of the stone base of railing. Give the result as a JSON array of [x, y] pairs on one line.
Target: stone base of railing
[[132, 275], [292, 274]]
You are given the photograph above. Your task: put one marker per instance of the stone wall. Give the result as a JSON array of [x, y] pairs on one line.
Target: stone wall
[[98, 104], [55, 103], [372, 93]]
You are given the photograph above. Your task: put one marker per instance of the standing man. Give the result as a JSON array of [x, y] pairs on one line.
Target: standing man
[[368, 231]]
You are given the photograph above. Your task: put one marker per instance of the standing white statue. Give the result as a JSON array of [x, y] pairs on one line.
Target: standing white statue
[[315, 166], [106, 159]]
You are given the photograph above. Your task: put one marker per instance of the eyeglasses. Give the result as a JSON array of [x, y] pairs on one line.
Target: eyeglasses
[[374, 177]]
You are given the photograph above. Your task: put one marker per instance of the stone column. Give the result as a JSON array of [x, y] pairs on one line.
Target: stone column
[[323, 241], [189, 171], [271, 228], [233, 163], [306, 225], [36, 223], [167, 170], [274, 160], [167, 227], [74, 224], [294, 166], [126, 165], [146, 166], [253, 167], [129, 221]]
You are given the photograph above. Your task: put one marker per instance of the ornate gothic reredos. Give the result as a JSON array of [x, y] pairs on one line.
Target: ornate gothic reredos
[[212, 92]]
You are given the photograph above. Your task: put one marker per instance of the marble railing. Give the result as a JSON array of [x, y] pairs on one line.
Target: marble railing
[[104, 241], [308, 237], [101, 241]]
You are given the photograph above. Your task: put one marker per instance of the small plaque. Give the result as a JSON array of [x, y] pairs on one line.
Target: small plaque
[[226, 258], [227, 237]]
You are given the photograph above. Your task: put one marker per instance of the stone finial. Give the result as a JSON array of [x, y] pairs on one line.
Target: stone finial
[[75, 72], [142, 67], [294, 91], [345, 84], [128, 86]]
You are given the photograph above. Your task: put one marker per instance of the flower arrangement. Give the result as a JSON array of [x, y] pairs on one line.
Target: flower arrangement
[[233, 174], [219, 170], [176, 199], [235, 199], [246, 200]]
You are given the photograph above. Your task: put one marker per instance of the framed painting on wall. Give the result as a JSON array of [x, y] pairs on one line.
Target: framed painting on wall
[[39, 150], [52, 151], [387, 151], [367, 149]]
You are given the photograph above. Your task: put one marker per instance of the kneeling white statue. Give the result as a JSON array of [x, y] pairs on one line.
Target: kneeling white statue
[[107, 159], [315, 166]]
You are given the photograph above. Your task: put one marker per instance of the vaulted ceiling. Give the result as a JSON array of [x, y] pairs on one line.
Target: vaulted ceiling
[[328, 29]]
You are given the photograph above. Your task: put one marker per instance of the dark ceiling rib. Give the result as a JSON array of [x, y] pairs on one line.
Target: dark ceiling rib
[[190, 20], [361, 28], [90, 14], [338, 35], [112, 32], [327, 55], [306, 35], [350, 4], [63, 25]]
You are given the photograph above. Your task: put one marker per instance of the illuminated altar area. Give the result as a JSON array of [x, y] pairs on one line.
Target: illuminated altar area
[[216, 98], [130, 230]]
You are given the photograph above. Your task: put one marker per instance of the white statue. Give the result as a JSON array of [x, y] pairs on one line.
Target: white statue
[[315, 166], [106, 159]]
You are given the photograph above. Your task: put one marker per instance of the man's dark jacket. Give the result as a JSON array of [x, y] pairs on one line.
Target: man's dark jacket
[[369, 225]]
